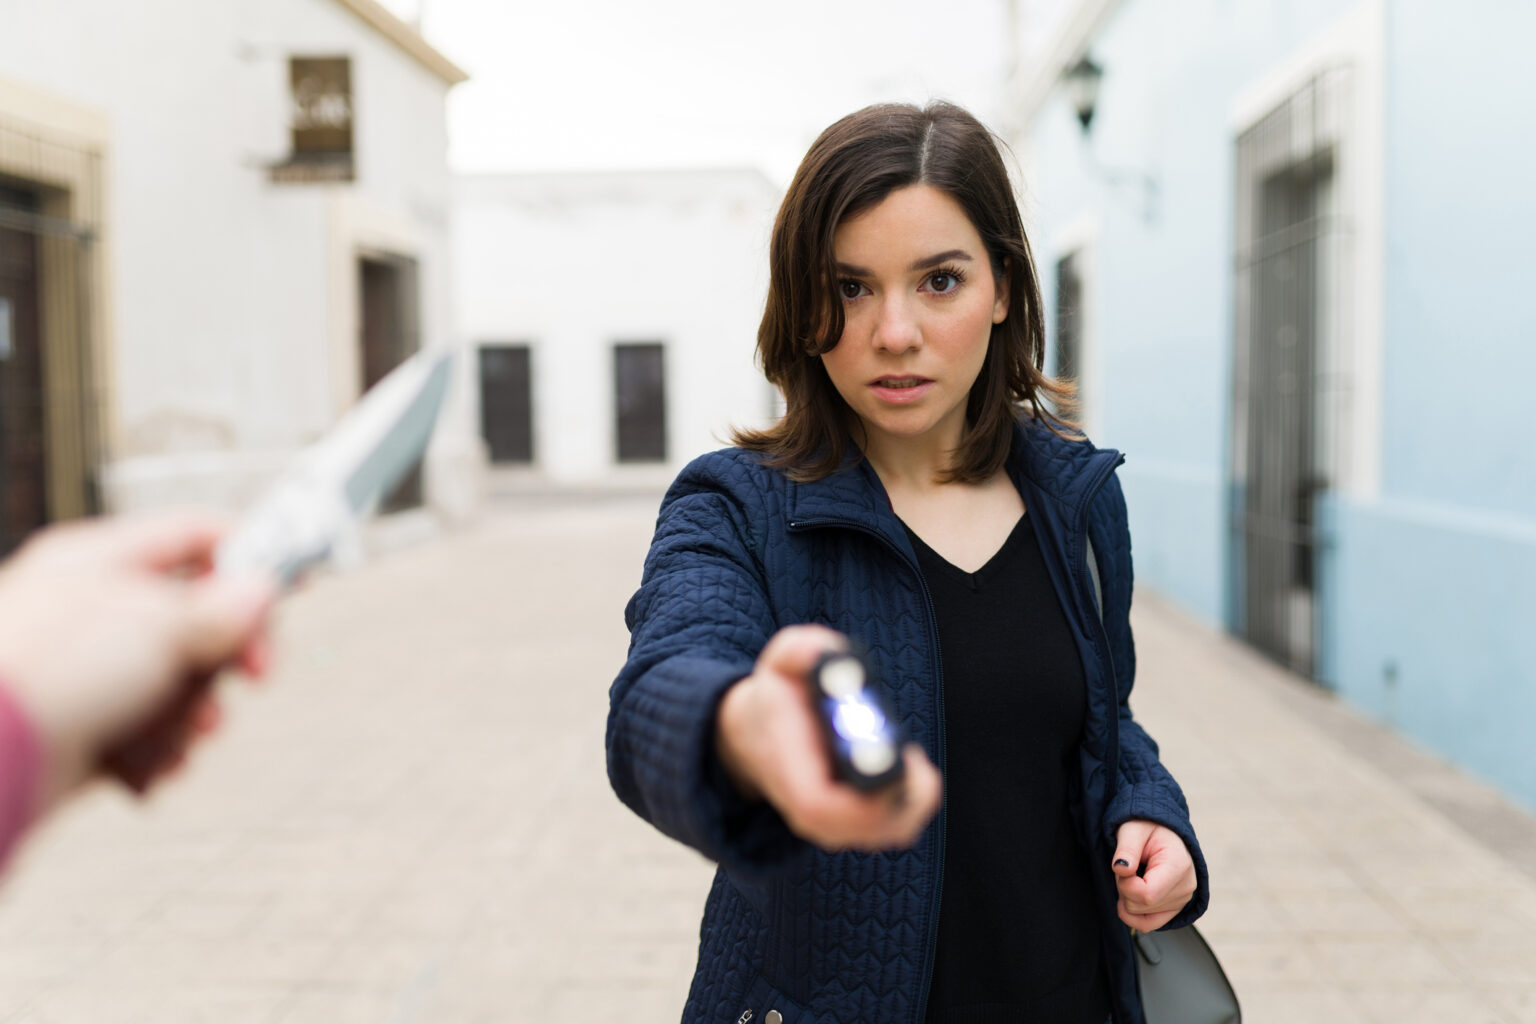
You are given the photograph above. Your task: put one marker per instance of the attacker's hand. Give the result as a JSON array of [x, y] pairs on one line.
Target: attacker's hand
[[111, 632]]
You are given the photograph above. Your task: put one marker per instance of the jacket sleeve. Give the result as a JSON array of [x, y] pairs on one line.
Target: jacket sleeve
[[696, 625], [1145, 790], [20, 771]]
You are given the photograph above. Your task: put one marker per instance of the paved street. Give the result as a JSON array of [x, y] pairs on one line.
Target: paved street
[[412, 823]]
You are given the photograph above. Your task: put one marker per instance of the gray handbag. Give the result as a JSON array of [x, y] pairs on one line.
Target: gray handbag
[[1180, 980]]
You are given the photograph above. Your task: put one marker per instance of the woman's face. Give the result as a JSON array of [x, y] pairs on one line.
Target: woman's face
[[919, 301]]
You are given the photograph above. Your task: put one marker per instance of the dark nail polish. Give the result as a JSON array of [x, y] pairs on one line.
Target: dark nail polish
[[1122, 863]]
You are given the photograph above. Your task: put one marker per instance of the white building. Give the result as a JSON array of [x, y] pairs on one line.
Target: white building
[[219, 222], [614, 316]]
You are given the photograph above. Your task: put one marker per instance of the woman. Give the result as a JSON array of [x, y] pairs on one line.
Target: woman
[[920, 498]]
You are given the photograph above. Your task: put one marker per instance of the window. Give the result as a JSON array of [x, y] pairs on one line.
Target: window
[[320, 117], [1069, 321]]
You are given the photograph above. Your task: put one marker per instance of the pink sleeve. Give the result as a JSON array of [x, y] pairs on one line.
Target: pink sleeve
[[20, 764]]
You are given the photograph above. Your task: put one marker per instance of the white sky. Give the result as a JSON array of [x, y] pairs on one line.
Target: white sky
[[586, 84]]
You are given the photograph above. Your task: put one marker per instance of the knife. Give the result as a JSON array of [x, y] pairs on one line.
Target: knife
[[311, 514], [314, 510]]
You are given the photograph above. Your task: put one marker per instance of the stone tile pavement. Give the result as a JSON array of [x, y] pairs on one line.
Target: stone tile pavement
[[412, 823]]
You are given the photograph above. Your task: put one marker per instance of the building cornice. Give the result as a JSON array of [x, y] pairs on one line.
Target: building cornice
[[407, 38], [651, 183]]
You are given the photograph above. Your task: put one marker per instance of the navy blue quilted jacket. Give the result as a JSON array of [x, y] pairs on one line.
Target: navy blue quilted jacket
[[741, 551]]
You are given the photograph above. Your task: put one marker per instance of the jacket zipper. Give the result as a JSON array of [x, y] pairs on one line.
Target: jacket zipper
[[1096, 611], [941, 742], [939, 738], [1085, 584]]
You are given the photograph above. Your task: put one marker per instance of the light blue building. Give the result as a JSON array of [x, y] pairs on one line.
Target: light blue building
[[1292, 257]]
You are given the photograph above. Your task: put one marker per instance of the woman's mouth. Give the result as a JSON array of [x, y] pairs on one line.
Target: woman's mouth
[[900, 389]]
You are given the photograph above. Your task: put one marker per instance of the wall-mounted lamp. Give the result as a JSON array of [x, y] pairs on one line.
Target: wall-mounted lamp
[[1082, 82]]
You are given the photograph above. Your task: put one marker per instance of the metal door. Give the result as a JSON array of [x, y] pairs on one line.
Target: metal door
[[50, 406], [23, 483], [1292, 351], [1280, 537], [506, 402], [390, 334], [640, 403]]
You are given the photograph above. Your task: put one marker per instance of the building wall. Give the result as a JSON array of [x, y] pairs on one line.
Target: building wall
[[572, 264], [233, 297], [1434, 583], [1429, 540], [1157, 382], [1430, 606], [1461, 215]]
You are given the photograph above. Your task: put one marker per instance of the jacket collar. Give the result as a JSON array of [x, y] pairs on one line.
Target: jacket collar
[[854, 494], [1067, 471]]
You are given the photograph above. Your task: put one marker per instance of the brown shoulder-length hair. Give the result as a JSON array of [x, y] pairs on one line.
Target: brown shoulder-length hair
[[850, 168]]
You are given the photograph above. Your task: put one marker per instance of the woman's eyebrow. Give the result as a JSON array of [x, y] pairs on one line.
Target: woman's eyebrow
[[927, 262], [944, 257]]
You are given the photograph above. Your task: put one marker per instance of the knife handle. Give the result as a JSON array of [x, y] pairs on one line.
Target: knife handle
[[142, 757]]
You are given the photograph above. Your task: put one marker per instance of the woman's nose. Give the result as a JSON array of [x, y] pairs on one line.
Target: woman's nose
[[897, 330]]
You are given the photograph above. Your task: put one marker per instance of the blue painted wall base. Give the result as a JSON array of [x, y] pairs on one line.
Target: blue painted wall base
[[1432, 630]]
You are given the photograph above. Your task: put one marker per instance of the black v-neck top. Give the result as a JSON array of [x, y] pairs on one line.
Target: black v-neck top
[[1019, 931]]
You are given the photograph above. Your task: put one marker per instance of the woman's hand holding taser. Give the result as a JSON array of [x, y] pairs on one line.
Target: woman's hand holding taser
[[771, 745], [1154, 873]]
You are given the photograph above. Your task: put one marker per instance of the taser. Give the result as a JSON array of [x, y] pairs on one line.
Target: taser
[[861, 730]]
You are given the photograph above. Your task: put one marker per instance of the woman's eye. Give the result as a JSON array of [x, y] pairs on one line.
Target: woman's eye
[[850, 289], [943, 282]]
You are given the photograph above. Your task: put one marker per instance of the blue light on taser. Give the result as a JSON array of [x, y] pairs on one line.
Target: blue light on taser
[[865, 743], [857, 719], [862, 726]]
